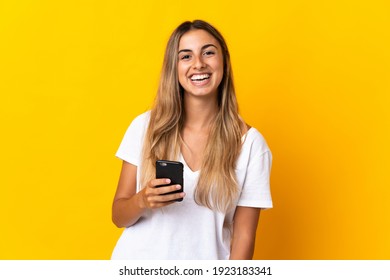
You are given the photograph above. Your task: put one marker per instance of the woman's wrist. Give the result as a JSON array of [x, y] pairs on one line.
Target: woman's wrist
[[140, 201]]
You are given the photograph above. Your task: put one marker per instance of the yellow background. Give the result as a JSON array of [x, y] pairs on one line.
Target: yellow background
[[312, 76]]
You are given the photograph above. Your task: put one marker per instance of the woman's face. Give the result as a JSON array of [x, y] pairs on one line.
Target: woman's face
[[200, 63]]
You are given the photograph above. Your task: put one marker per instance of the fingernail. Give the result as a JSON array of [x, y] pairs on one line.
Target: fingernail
[[178, 187], [168, 180]]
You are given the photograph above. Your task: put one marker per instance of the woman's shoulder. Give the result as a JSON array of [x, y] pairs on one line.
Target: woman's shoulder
[[141, 120], [253, 138], [143, 117]]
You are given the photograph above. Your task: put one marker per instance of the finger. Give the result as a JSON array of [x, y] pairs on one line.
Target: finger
[[167, 189], [166, 198], [163, 200], [175, 196], [155, 205], [157, 191], [158, 182]]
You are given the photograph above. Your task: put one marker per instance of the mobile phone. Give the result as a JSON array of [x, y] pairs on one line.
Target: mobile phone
[[172, 170]]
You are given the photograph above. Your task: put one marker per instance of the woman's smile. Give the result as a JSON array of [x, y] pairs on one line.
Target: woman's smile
[[200, 79]]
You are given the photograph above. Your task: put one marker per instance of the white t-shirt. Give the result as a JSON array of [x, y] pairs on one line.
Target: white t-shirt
[[186, 230]]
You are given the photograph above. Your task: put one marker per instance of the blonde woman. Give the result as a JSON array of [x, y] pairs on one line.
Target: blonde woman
[[227, 163]]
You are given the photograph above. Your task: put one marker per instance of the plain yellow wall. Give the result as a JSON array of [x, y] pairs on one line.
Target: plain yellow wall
[[312, 76]]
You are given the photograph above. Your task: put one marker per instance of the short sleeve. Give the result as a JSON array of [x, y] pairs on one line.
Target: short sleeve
[[130, 148], [256, 186]]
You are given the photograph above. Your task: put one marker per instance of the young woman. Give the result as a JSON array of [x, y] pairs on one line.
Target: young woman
[[227, 163]]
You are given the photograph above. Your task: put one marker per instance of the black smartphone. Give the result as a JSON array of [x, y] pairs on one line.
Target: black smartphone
[[172, 170]]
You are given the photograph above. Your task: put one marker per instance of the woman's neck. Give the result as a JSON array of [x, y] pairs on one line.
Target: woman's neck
[[199, 112]]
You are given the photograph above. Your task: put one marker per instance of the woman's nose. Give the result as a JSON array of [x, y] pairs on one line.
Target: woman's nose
[[199, 63]]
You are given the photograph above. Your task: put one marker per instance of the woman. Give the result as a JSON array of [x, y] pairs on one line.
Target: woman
[[226, 163]]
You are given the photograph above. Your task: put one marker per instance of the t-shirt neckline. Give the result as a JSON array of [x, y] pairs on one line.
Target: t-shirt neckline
[[186, 167], [196, 172]]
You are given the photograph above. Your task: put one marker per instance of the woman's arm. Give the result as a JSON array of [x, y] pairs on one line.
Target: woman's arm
[[129, 206], [244, 233], [125, 208]]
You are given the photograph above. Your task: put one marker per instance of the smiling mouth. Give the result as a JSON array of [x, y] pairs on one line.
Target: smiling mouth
[[200, 77]]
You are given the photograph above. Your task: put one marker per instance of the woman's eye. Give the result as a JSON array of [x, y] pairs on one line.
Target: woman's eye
[[209, 53], [185, 57]]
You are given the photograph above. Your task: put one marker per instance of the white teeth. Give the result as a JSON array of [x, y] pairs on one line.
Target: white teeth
[[200, 77]]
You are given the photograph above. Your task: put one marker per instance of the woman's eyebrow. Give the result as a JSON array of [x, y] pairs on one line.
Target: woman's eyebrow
[[184, 50], [209, 45], [203, 47]]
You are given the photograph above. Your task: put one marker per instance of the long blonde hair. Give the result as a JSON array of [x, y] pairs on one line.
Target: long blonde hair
[[217, 186]]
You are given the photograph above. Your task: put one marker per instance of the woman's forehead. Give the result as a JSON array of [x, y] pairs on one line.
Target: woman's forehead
[[196, 39]]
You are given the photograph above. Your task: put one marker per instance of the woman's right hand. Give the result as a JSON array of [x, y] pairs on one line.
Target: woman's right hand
[[128, 205], [152, 196]]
